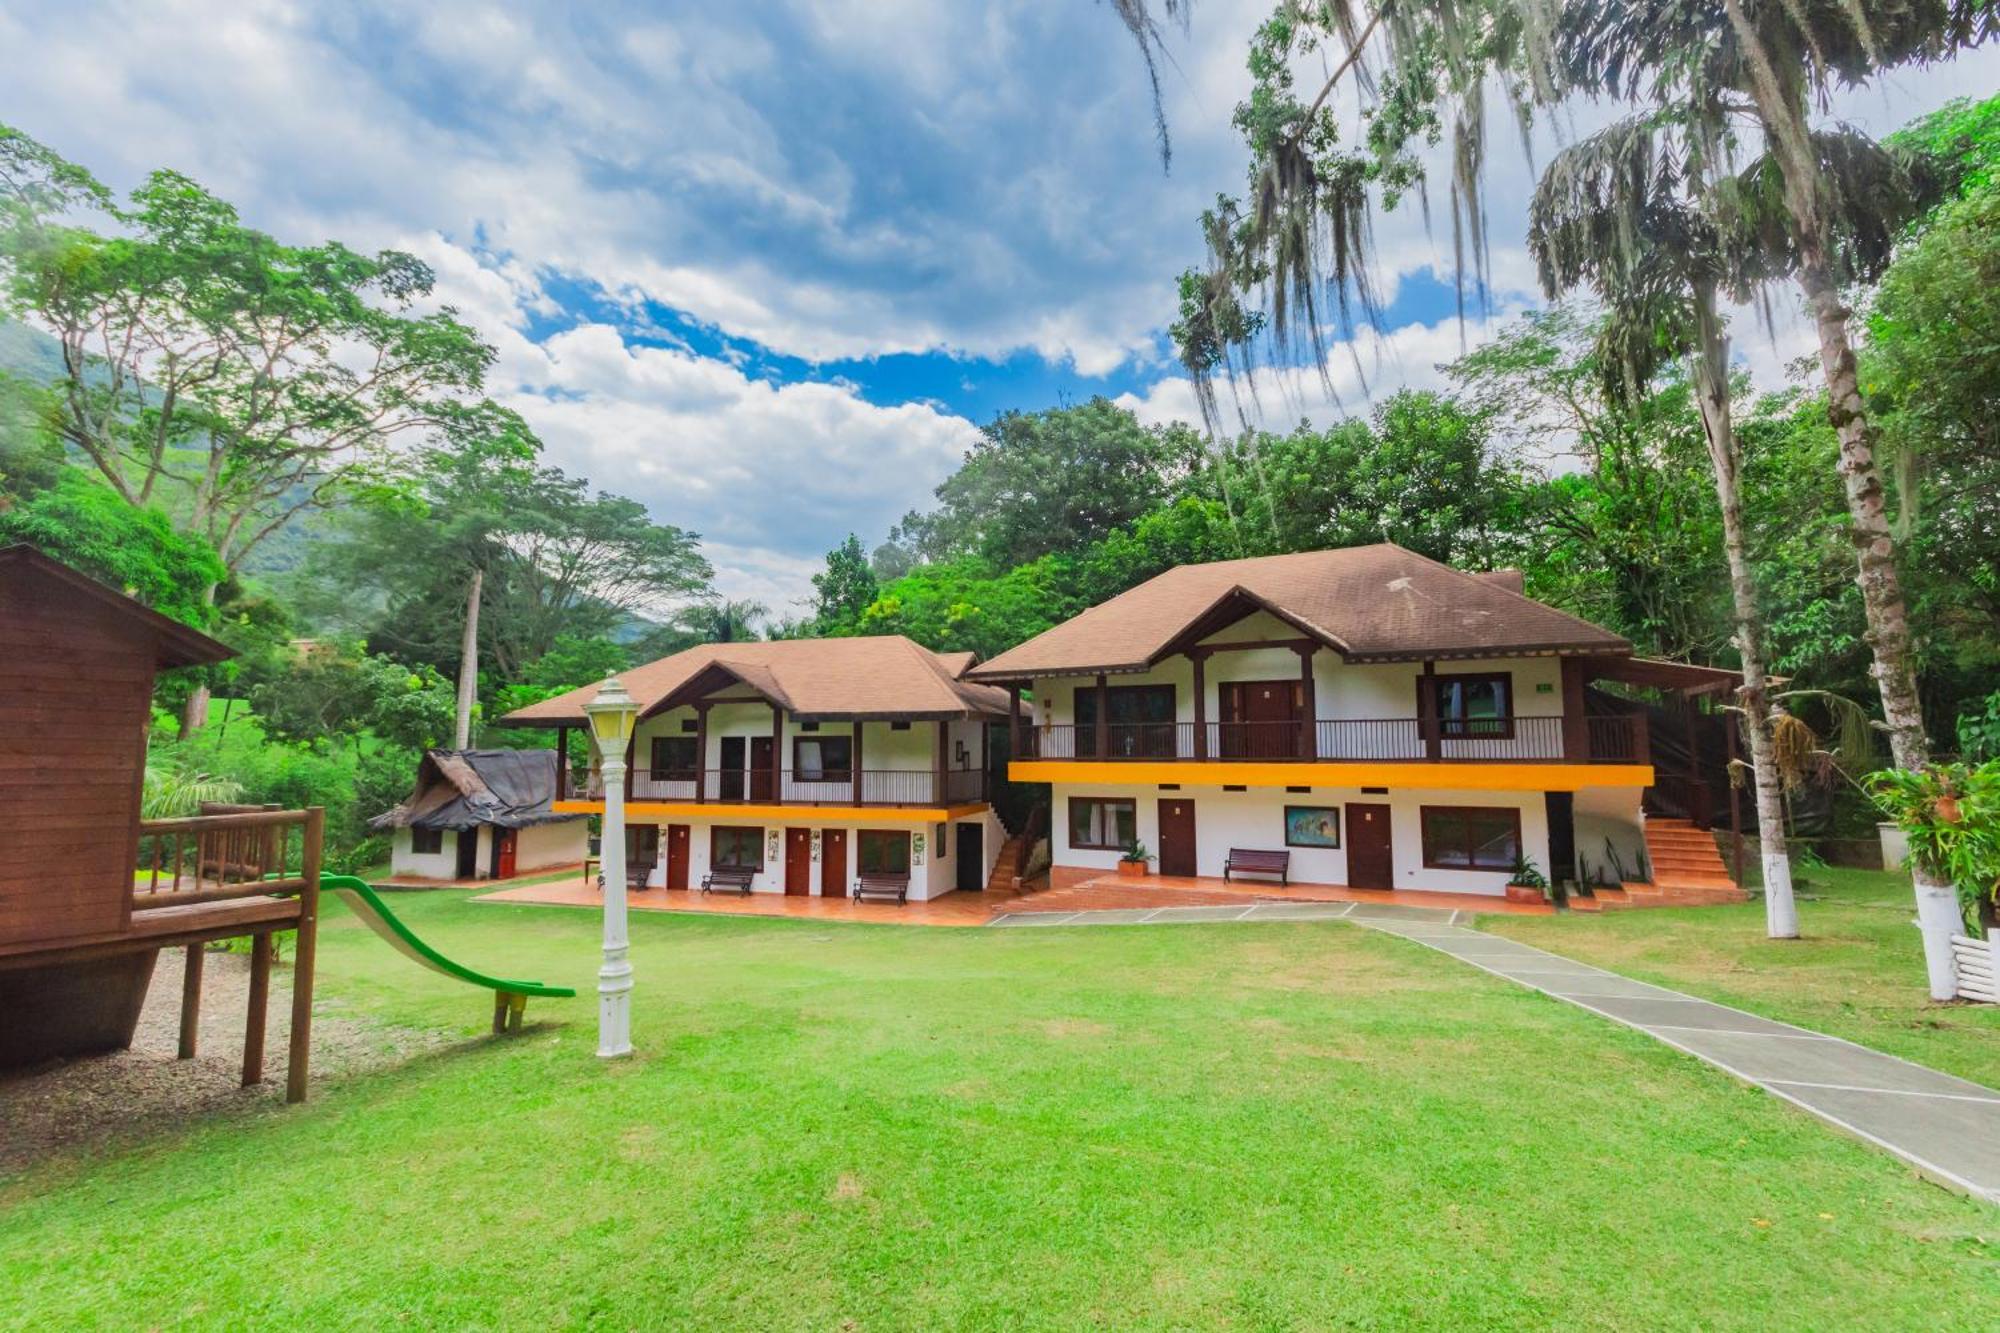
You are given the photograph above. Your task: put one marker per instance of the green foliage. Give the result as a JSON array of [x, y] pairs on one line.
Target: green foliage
[[1040, 483], [1951, 815], [845, 588], [333, 694], [88, 527], [1979, 730], [173, 791]]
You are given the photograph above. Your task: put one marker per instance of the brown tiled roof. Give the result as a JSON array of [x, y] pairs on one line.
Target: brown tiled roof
[[1370, 603], [882, 676]]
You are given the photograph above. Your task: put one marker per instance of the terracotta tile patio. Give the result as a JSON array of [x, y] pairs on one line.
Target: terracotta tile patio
[[1108, 893]]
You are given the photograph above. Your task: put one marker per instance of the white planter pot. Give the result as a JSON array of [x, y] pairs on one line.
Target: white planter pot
[[1895, 846]]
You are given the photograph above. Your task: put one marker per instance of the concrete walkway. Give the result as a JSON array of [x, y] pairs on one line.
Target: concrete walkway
[[1945, 1127]]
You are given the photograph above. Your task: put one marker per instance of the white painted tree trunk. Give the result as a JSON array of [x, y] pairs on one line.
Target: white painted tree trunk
[[1711, 392], [468, 662], [1938, 919]]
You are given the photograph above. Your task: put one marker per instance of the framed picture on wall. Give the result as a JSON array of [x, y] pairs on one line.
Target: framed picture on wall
[[1312, 826]]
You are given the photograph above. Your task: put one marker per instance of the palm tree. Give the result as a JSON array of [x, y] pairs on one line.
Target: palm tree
[[1616, 212], [175, 791]]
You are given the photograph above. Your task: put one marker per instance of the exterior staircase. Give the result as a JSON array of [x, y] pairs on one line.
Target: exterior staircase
[[1687, 870], [1002, 879]]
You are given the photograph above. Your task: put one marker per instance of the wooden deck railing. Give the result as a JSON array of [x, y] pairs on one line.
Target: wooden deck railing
[[245, 853], [729, 786]]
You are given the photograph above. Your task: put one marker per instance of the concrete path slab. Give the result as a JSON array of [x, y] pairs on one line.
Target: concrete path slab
[[1945, 1127], [1299, 911]]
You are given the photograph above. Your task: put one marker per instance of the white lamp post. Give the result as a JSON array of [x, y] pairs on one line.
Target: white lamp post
[[611, 715]]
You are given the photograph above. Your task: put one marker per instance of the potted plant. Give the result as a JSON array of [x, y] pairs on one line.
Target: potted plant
[[1526, 884], [1950, 815], [1132, 865]]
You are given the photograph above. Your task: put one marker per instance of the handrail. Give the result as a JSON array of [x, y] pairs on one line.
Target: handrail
[[1534, 738], [217, 857]]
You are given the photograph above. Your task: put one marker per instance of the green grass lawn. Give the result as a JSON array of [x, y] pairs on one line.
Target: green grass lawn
[[1857, 970], [846, 1126]]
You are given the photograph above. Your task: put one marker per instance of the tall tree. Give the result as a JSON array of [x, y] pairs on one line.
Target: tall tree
[[843, 590], [1615, 212]]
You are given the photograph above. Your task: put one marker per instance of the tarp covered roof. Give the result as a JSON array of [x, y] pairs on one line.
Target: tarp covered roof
[[461, 789]]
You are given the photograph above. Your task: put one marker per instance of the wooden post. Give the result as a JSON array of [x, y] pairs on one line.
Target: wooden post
[[701, 751], [191, 1001], [777, 753], [1576, 719], [305, 952], [1103, 733], [860, 729], [260, 1005], [1309, 722], [1200, 660], [1014, 719], [562, 763], [1427, 713], [943, 760]]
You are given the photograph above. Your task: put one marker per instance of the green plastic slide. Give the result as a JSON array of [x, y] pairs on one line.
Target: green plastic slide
[[510, 997]]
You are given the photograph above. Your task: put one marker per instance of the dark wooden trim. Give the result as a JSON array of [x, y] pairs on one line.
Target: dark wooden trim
[[1308, 704], [1074, 801], [1296, 645], [1103, 718], [1427, 712], [715, 863], [562, 763], [1425, 814], [1014, 719], [859, 731], [777, 753], [701, 751], [1199, 659]]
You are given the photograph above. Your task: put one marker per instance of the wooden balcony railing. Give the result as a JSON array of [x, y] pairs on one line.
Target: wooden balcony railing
[[726, 786], [244, 853], [1348, 740]]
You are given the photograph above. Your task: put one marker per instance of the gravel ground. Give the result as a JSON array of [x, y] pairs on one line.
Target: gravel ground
[[83, 1106]]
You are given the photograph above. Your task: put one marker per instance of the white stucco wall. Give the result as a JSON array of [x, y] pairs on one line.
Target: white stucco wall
[[933, 866], [442, 864], [885, 747], [540, 845], [1255, 819]]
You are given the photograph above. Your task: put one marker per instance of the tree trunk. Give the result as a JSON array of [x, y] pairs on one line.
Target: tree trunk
[[1711, 384], [194, 714], [1781, 105], [468, 661]]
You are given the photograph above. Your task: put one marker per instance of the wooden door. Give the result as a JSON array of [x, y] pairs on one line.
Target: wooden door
[[468, 854], [729, 786], [1371, 863], [677, 856], [761, 786], [798, 862], [833, 863], [1177, 847], [971, 857], [504, 852], [1260, 718]]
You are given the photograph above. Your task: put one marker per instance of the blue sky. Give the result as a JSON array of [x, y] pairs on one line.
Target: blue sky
[[763, 267]]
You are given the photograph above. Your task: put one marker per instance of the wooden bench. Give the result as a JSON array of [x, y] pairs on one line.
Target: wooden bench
[[1246, 861], [882, 888], [729, 881]]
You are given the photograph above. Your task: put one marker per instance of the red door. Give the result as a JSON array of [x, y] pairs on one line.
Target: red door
[[677, 856], [1371, 864], [761, 786], [1177, 838], [833, 863], [503, 853], [798, 862]]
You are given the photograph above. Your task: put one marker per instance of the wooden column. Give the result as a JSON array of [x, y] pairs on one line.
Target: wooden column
[[260, 1004], [943, 761], [1309, 723], [305, 952], [701, 751], [1427, 713], [1576, 718], [860, 729], [777, 753], [1103, 718], [191, 1001], [1014, 719], [562, 763], [1199, 657]]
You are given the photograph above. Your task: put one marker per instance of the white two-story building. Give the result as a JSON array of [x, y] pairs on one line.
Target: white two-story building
[[1380, 719], [805, 762]]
